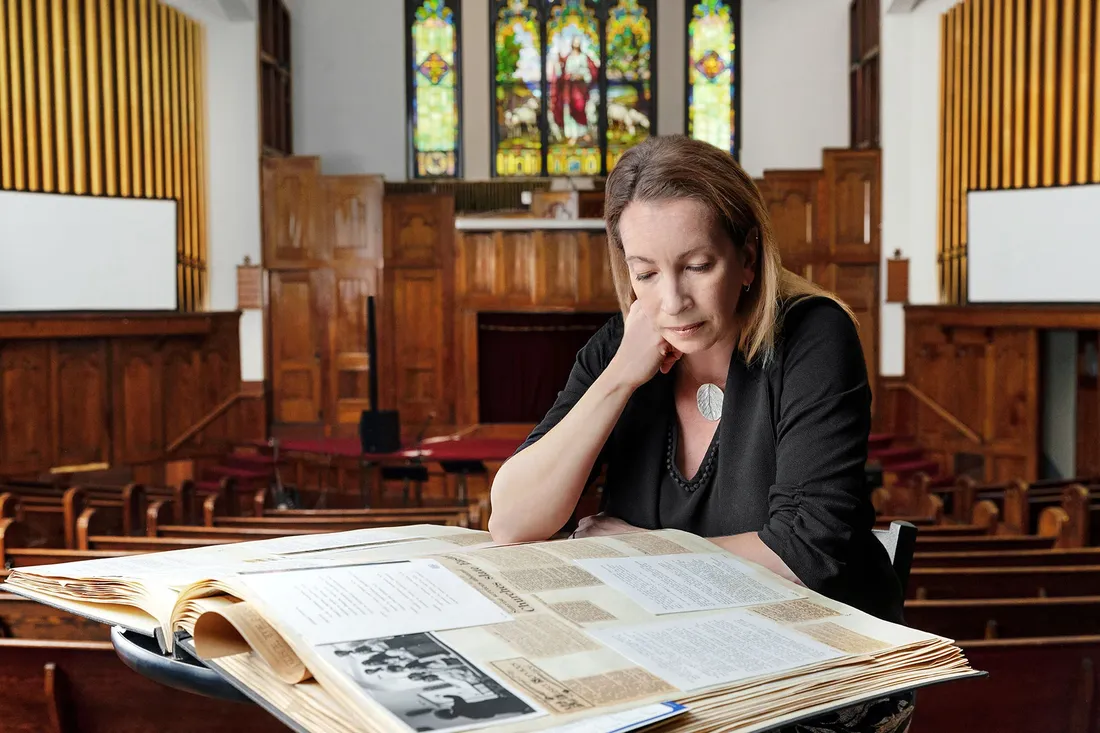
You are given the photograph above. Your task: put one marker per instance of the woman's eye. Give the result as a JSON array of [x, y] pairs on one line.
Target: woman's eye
[[642, 276], [699, 268]]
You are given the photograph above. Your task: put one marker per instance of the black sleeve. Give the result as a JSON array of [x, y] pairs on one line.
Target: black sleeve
[[590, 363], [820, 498]]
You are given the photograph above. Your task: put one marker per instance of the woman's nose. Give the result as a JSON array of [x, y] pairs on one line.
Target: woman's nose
[[673, 298]]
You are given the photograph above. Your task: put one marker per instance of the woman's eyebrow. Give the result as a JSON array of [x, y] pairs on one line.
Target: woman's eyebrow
[[681, 256]]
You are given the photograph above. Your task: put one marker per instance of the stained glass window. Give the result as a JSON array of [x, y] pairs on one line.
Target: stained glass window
[[572, 85], [434, 90], [713, 86]]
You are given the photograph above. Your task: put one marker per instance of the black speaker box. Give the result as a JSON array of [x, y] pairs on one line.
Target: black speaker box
[[379, 431]]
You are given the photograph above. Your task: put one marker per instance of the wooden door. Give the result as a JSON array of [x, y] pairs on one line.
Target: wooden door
[[300, 311], [351, 222], [291, 197], [419, 303]]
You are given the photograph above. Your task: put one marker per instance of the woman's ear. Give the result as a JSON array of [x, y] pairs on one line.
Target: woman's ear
[[750, 252]]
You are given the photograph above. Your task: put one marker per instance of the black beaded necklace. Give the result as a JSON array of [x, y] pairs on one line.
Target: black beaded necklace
[[702, 476]]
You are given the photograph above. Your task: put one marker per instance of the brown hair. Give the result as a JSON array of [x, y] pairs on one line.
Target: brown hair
[[679, 167]]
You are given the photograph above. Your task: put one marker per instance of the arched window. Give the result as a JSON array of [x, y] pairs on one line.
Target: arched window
[[714, 68], [573, 84], [434, 93]]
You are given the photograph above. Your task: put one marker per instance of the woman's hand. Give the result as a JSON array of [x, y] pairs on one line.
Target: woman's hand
[[643, 351], [602, 524]]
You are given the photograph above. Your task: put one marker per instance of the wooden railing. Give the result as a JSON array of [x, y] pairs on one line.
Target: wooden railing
[[941, 411], [210, 417]]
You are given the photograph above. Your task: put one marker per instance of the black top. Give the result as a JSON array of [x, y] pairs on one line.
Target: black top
[[792, 444]]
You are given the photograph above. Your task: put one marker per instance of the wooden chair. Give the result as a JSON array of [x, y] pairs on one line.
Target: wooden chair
[[900, 540]]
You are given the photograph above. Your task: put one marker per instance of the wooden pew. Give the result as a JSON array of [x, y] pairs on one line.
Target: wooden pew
[[51, 519], [1006, 618], [1035, 685], [64, 687], [21, 618], [337, 523], [1003, 582], [151, 544], [1055, 530], [1008, 558]]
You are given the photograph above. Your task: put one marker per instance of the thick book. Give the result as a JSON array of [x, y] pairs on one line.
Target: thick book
[[430, 628]]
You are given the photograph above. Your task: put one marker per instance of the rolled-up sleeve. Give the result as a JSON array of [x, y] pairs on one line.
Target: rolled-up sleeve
[[820, 498]]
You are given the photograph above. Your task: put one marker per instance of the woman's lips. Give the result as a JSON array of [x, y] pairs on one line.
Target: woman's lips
[[685, 330]]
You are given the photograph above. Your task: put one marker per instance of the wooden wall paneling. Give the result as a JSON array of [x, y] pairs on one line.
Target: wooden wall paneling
[[466, 379], [138, 401], [594, 265], [476, 264], [221, 373], [292, 197], [349, 360], [854, 184], [794, 201], [181, 384], [82, 433], [419, 297], [352, 216], [1014, 402], [556, 268], [857, 285], [299, 314], [517, 271], [1088, 405], [418, 345], [966, 392], [26, 428]]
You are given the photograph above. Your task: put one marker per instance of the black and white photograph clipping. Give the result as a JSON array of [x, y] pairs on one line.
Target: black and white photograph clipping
[[425, 683]]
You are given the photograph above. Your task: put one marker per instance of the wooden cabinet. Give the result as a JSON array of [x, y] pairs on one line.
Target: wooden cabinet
[[322, 253], [113, 389]]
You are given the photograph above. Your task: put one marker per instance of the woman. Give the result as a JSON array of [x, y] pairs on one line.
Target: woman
[[729, 399]]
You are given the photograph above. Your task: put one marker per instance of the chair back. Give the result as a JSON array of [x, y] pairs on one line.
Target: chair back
[[900, 541]]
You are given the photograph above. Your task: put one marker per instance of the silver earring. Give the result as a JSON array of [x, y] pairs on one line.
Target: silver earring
[[746, 287]]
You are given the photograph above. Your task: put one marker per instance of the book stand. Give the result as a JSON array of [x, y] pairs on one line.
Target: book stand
[[142, 654]]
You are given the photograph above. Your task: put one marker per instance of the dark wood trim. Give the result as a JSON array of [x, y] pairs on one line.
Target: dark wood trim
[[1007, 316], [94, 325]]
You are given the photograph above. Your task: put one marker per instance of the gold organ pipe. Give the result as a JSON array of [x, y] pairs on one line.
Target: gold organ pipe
[[995, 125], [180, 141], [983, 100], [156, 18], [1050, 89], [165, 70], [150, 94], [45, 111], [19, 180], [95, 115], [173, 83], [1034, 59], [957, 157], [967, 146], [1006, 97], [973, 144], [7, 164], [1084, 84], [200, 158], [30, 88], [1095, 102], [1065, 114], [193, 194], [122, 37], [1021, 100], [106, 47], [137, 81], [61, 97], [76, 99], [945, 142]]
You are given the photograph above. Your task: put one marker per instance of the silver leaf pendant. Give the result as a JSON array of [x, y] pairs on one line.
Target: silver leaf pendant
[[708, 399]]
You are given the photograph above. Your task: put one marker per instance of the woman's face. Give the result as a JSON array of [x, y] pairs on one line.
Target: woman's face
[[686, 273]]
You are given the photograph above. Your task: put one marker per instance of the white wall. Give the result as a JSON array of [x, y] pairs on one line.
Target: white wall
[[910, 160], [349, 83], [233, 174]]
